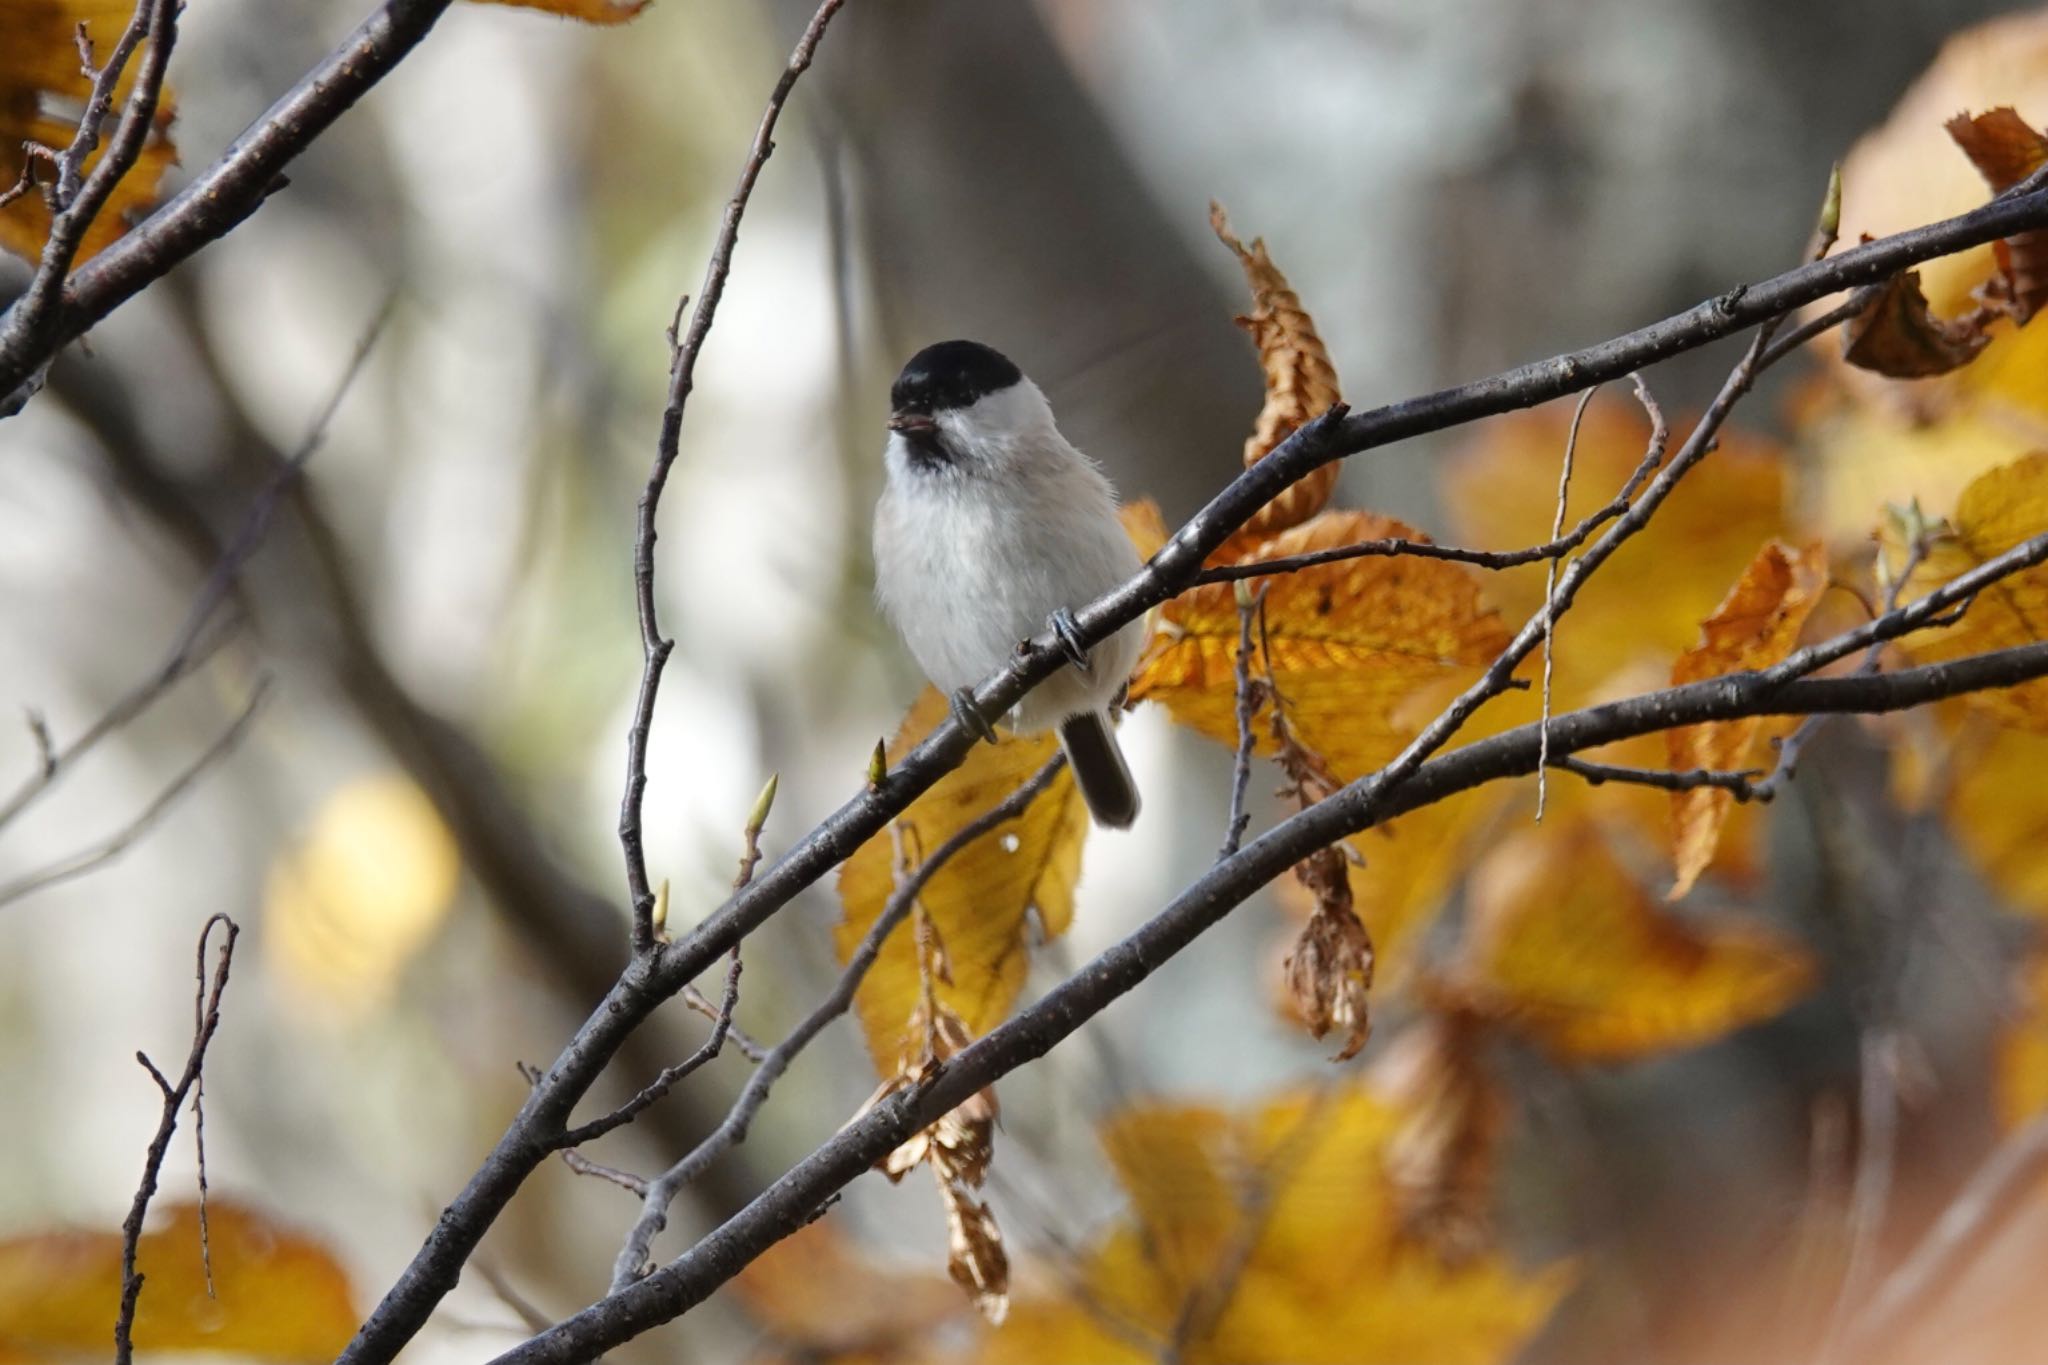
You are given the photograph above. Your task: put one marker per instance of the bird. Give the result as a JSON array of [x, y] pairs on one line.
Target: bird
[[991, 527]]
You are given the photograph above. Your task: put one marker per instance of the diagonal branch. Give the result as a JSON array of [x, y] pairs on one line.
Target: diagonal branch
[[792, 1200]]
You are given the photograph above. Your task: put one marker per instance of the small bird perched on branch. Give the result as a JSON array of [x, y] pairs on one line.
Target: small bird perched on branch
[[990, 528]]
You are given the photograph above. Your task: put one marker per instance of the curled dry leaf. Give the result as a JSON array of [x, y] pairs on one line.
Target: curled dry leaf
[[1440, 1160], [2005, 149], [1755, 626], [1350, 647], [277, 1294], [40, 76], [1897, 335], [1565, 948], [1996, 512], [981, 905], [1329, 971], [1300, 381]]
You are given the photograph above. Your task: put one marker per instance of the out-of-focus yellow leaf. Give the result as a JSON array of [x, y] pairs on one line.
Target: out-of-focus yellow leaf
[[1270, 1236], [586, 11], [281, 1296], [1354, 645], [982, 903], [350, 903], [1144, 524], [2021, 1072], [815, 1292], [1898, 336], [1996, 512], [1501, 494], [1440, 1160], [1997, 809], [41, 90], [1565, 947], [1756, 625], [2006, 150], [1301, 383]]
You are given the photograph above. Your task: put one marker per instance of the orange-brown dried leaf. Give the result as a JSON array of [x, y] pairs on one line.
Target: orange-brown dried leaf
[[1355, 646], [1440, 1161], [1329, 969], [1757, 625], [816, 1291], [585, 11], [983, 903], [1997, 511], [278, 1294], [1301, 383], [1145, 525], [1270, 1236], [2005, 149], [41, 89], [1564, 947], [1897, 335]]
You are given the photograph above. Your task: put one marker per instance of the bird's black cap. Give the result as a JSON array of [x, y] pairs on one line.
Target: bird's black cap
[[951, 374]]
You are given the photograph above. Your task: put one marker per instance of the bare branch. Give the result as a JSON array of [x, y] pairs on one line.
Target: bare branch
[[119, 842], [662, 1084], [1249, 605], [1741, 784], [786, 1205], [662, 1192], [206, 1022], [654, 647], [220, 197], [660, 975], [1564, 489]]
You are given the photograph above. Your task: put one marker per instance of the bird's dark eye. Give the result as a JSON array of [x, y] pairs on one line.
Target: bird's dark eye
[[951, 374]]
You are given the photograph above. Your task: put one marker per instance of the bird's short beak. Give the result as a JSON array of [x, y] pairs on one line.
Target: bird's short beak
[[912, 421]]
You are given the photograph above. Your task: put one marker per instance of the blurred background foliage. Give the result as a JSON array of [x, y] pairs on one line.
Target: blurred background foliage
[[419, 831]]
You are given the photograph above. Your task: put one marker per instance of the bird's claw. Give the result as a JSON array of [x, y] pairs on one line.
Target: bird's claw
[[1069, 637], [969, 715]]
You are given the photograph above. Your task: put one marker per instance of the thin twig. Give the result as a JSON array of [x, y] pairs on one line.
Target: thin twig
[[666, 1081], [1682, 780], [117, 843], [206, 1022], [1249, 605], [662, 1192], [654, 646], [1564, 488], [625, 1180], [195, 641]]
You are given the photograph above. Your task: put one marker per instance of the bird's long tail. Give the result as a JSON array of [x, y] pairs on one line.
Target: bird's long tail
[[1099, 769]]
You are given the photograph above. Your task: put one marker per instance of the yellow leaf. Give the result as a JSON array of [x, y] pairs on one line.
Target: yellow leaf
[[1996, 512], [1300, 381], [1566, 948], [40, 73], [1270, 1236], [1501, 494], [1993, 801], [815, 1290], [370, 881], [1757, 625], [982, 903], [281, 1295], [1144, 524], [1354, 646], [586, 11], [2021, 1071]]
